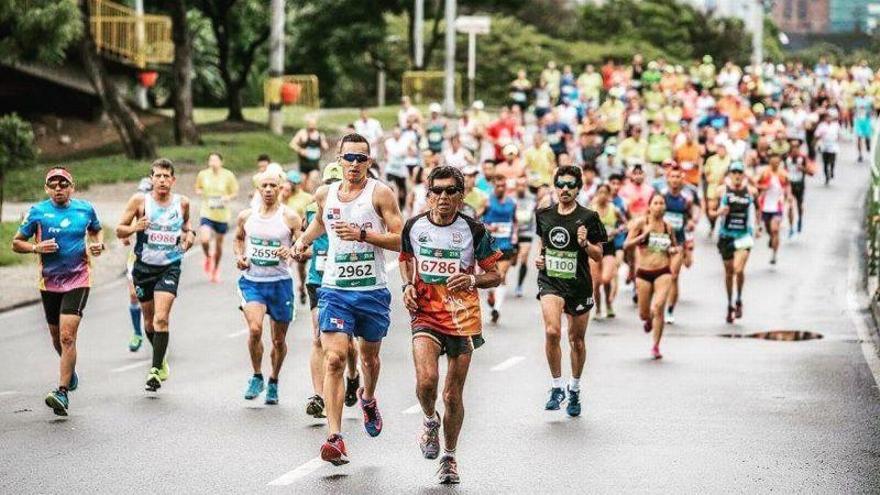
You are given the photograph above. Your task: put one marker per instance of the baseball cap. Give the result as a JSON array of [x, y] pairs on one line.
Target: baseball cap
[[435, 108], [332, 171], [59, 172], [736, 166], [294, 177], [510, 149], [470, 170]]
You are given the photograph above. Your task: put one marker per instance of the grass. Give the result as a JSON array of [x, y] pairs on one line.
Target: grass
[[7, 256]]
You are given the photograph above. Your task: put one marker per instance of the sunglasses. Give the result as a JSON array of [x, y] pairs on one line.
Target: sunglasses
[[449, 190], [61, 184], [566, 184], [355, 157]]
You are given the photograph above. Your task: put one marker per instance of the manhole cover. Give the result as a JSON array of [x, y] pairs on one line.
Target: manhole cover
[[782, 335]]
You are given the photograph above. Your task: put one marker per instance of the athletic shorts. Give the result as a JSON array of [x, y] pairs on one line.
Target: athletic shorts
[[308, 166], [148, 279], [56, 304], [863, 127], [768, 217], [523, 239], [608, 249], [797, 190], [451, 345], [574, 305], [276, 295], [312, 291], [726, 247], [358, 313], [508, 255], [218, 227]]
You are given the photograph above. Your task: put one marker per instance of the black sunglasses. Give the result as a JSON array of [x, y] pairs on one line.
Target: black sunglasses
[[449, 190], [62, 184], [355, 157], [566, 184]]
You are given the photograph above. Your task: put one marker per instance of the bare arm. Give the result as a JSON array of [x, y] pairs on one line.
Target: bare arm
[[188, 235], [386, 204], [132, 212], [21, 245], [635, 235], [316, 227], [238, 240], [294, 143]]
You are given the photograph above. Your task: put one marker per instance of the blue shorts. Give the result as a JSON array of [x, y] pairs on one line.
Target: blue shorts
[[277, 296], [359, 313], [218, 227], [863, 127]]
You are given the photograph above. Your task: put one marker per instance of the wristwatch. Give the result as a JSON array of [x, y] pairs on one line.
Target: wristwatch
[[363, 236]]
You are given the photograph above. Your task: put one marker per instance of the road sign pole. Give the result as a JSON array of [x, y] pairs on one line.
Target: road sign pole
[[276, 67], [419, 34], [449, 86], [472, 64]]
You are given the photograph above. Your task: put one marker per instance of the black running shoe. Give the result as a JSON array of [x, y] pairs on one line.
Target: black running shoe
[[351, 388]]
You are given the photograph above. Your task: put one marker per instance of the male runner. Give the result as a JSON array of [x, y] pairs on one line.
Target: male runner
[[682, 214], [309, 143], [297, 199], [364, 220], [568, 235], [500, 219], [59, 226], [439, 254], [774, 191], [526, 204], [134, 308], [798, 166], [474, 201], [217, 186], [160, 219], [262, 250]]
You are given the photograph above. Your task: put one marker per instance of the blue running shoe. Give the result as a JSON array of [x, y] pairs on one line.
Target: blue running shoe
[[58, 402], [272, 393], [372, 417], [574, 403], [557, 396], [255, 386], [74, 382]]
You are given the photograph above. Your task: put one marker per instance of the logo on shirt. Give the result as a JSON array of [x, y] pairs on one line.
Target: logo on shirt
[[424, 237], [559, 237], [65, 223], [338, 323], [334, 214], [457, 238]]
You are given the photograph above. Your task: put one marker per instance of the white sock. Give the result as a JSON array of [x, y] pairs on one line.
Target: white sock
[[449, 453], [574, 384], [557, 382], [499, 297]]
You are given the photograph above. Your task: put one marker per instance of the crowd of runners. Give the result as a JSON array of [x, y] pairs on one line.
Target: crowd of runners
[[592, 182]]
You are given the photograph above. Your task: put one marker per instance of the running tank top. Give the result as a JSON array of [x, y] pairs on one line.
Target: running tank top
[[159, 244], [353, 265], [265, 235], [773, 196], [609, 218], [676, 211], [313, 147], [736, 222]]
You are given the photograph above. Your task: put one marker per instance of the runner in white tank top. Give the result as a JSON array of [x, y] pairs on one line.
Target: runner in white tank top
[[362, 219]]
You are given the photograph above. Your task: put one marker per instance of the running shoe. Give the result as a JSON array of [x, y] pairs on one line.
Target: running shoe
[[655, 352], [609, 313], [215, 275], [429, 441], [154, 383], [164, 370], [448, 472], [74, 382], [333, 451], [731, 313], [58, 402], [574, 403], [315, 407], [739, 309], [135, 342], [557, 396], [351, 387], [372, 416], [773, 260], [495, 315], [518, 292], [302, 297], [669, 318], [255, 387], [272, 393], [648, 325], [790, 232]]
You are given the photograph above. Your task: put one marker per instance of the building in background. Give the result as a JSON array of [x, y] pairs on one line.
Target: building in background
[[802, 16]]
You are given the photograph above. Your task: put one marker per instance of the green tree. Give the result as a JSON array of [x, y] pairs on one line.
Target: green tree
[[38, 29], [17, 148]]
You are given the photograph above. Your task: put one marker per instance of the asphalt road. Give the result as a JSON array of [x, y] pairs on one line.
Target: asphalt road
[[715, 415]]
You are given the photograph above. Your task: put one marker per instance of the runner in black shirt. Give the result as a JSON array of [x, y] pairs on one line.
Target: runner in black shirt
[[568, 235]]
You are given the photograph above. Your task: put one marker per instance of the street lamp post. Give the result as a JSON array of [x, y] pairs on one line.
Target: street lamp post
[[276, 67], [449, 79]]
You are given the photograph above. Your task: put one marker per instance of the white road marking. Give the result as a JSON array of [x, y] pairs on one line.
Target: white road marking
[[237, 334], [508, 363], [301, 472], [391, 266], [412, 409], [852, 300], [8, 392], [135, 365]]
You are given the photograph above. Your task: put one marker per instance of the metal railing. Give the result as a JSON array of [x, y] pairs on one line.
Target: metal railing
[[423, 87], [872, 217], [136, 40], [306, 91]]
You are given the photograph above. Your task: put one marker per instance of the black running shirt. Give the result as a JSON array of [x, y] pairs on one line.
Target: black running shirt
[[567, 268]]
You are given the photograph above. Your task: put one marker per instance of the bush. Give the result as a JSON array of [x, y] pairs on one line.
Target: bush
[[17, 149]]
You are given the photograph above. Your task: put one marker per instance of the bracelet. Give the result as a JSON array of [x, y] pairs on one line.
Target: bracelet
[[34, 248], [473, 281]]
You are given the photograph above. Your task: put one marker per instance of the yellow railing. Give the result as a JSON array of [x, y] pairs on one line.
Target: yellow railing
[[306, 91], [137, 40], [427, 86]]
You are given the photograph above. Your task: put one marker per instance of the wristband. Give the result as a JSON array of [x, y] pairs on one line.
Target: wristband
[[403, 288], [363, 235], [473, 281], [33, 248]]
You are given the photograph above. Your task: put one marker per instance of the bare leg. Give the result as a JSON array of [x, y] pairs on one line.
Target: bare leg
[[316, 357], [551, 308], [335, 346], [69, 328], [577, 330], [254, 314], [453, 403], [426, 352], [279, 346], [370, 366], [661, 292]]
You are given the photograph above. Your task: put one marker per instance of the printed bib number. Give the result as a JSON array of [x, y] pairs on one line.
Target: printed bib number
[[561, 264], [744, 242], [502, 230], [518, 96], [320, 260], [435, 137], [313, 153], [437, 265], [162, 239], [355, 269], [659, 243], [674, 219], [216, 203], [736, 222], [263, 252]]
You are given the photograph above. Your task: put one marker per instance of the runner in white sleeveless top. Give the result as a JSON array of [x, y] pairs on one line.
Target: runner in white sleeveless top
[[263, 238], [362, 219]]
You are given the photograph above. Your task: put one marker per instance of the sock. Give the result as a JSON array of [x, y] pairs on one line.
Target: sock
[[499, 297], [273, 380], [522, 274], [574, 384], [135, 311], [150, 335], [449, 453], [557, 382], [160, 345], [428, 419], [258, 375], [671, 308], [62, 390]]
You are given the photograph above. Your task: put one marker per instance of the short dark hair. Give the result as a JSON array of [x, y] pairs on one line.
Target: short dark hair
[[215, 153], [264, 158], [446, 172], [616, 176], [162, 163], [569, 170], [353, 138]]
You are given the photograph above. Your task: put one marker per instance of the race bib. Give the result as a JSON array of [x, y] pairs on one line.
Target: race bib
[[320, 260], [659, 243], [313, 153], [216, 202], [554, 139], [502, 230], [744, 242], [518, 96], [437, 265], [687, 165], [162, 239], [674, 219], [263, 252], [561, 264], [523, 216], [435, 137], [355, 269]]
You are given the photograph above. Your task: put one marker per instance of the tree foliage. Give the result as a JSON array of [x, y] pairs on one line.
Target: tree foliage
[[38, 30], [17, 149]]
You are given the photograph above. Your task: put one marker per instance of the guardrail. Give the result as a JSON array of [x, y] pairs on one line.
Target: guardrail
[[872, 219], [136, 40]]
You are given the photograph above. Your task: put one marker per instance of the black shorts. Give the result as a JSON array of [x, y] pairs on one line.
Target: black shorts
[[148, 279], [399, 181], [523, 239], [608, 249], [508, 255], [726, 247], [312, 291], [308, 166], [71, 302], [451, 345], [574, 306], [797, 190]]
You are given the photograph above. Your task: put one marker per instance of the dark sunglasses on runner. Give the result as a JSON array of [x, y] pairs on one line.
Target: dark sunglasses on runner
[[56, 184], [355, 157], [566, 184], [449, 190]]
